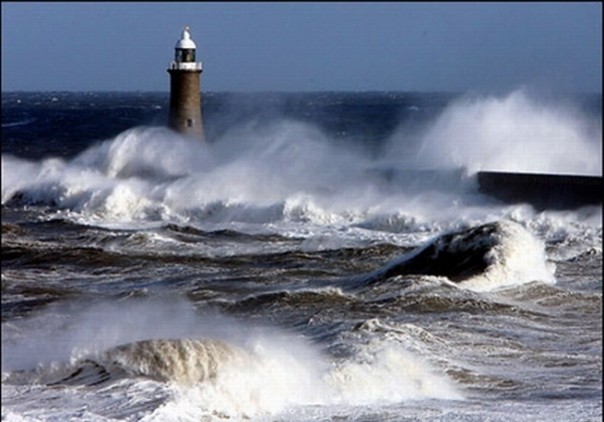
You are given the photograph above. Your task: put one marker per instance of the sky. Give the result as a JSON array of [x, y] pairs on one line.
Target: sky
[[315, 46]]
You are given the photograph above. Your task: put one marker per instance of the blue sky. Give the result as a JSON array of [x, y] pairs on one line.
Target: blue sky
[[455, 47]]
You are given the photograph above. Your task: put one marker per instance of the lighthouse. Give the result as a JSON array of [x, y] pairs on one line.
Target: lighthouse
[[185, 89]]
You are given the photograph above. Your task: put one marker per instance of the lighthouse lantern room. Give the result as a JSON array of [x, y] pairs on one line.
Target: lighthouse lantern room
[[185, 89]]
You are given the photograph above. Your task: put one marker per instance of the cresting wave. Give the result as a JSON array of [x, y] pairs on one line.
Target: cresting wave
[[267, 376], [481, 258], [205, 365], [184, 361]]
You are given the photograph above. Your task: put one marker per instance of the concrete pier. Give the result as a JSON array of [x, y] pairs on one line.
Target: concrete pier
[[542, 191]]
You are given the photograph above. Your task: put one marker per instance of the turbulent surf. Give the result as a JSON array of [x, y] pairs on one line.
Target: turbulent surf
[[485, 257], [326, 256]]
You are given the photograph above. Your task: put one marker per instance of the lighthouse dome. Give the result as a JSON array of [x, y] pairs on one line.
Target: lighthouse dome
[[185, 41]]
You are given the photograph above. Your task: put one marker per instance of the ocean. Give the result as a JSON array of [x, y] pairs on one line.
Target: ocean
[[326, 256]]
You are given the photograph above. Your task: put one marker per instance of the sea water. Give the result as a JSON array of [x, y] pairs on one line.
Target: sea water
[[272, 274]]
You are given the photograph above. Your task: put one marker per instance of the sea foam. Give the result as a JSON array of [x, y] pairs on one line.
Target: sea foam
[[285, 172], [481, 258], [208, 365]]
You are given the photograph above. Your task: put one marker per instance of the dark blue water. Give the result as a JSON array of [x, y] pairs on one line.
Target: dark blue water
[[62, 118]]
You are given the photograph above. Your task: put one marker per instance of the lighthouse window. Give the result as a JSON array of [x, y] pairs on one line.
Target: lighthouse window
[[189, 122], [188, 56], [184, 55]]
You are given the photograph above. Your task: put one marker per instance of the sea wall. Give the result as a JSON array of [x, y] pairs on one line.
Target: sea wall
[[543, 191]]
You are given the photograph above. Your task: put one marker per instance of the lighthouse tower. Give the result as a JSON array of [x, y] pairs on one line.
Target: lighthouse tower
[[185, 95]]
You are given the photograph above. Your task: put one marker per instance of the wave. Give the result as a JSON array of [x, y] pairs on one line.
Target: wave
[[181, 361], [216, 377], [300, 298], [485, 257], [206, 365], [515, 132], [285, 172]]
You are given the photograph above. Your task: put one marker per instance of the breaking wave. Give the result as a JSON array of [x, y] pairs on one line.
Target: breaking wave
[[183, 361], [246, 372], [287, 171], [481, 258]]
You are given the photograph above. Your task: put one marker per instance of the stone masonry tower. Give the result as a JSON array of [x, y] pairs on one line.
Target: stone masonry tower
[[185, 89]]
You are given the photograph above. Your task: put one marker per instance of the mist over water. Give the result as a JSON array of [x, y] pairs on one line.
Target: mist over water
[[517, 132], [283, 169]]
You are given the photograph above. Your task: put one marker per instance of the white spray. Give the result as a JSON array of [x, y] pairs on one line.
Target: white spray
[[288, 171], [515, 132], [243, 370]]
